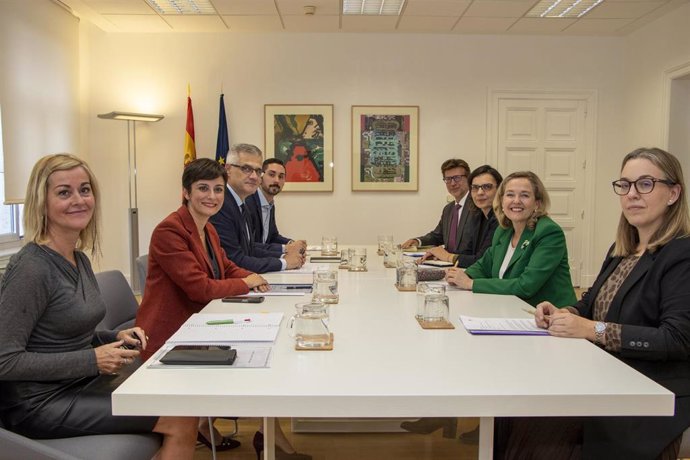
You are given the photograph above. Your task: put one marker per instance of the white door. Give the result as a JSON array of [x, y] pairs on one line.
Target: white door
[[548, 137]]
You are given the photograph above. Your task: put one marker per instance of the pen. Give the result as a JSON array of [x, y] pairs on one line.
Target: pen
[[220, 321], [302, 286], [455, 265]]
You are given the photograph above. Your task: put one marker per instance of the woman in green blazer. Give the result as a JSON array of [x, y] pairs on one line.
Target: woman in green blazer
[[528, 256]]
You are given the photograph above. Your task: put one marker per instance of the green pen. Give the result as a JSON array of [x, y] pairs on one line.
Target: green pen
[[220, 321]]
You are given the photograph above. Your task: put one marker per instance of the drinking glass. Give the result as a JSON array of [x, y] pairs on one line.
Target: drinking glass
[[435, 307], [384, 241], [423, 290], [358, 260], [329, 246], [325, 288]]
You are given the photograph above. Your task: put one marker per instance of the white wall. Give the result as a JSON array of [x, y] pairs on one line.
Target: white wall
[[447, 76]]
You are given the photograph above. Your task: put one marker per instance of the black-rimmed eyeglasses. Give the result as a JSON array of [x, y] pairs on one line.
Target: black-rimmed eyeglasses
[[643, 185], [485, 187], [246, 169], [454, 179]]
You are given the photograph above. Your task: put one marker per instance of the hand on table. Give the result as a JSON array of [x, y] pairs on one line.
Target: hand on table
[[409, 243], [438, 253], [457, 277], [256, 283]]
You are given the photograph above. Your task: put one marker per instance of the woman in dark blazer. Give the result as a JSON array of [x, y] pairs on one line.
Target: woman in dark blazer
[[528, 256], [484, 182], [638, 310]]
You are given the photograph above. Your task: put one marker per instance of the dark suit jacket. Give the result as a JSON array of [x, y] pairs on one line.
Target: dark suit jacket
[[653, 307], [274, 236], [480, 237], [537, 271], [239, 246], [439, 236], [180, 280]]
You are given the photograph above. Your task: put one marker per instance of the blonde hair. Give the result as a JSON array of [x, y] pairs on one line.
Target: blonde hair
[[35, 203], [676, 222], [540, 194]]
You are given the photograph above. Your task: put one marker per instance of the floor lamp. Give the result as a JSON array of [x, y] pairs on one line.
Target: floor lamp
[[131, 119]]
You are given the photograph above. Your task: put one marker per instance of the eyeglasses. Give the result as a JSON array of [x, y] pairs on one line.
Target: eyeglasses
[[248, 170], [485, 187], [454, 179], [643, 185]]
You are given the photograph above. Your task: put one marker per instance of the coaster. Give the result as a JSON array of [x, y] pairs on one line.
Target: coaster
[[406, 289], [328, 347], [344, 267], [357, 271], [435, 324]]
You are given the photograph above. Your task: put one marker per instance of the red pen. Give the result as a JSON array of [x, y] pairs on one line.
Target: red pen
[[247, 320]]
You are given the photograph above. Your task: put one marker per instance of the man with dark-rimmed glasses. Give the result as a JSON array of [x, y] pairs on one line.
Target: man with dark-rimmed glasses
[[451, 229], [234, 222]]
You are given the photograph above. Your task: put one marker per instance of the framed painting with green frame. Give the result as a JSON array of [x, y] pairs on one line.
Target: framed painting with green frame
[[385, 142], [301, 136]]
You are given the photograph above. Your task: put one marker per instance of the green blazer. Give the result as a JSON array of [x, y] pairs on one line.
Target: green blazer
[[537, 271]]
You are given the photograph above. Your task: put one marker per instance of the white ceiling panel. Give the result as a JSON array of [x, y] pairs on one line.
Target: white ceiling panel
[[311, 23], [432, 24], [120, 7], [436, 7], [196, 23], [483, 25], [138, 23], [245, 7], [369, 23], [262, 23], [540, 25], [296, 7], [499, 8], [597, 26], [621, 10]]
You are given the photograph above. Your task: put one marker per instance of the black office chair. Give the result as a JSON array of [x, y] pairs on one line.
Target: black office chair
[[142, 267], [121, 305], [103, 447]]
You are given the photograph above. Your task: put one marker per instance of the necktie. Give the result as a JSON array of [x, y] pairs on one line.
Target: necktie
[[246, 223], [451, 246]]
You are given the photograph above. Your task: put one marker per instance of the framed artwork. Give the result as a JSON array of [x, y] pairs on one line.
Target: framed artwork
[[385, 143], [301, 136]]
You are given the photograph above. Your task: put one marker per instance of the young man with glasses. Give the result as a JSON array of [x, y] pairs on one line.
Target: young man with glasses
[[451, 231], [234, 222]]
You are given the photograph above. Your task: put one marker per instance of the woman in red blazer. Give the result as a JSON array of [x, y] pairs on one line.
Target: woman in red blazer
[[187, 268]]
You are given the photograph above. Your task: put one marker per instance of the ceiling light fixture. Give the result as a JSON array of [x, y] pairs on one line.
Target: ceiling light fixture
[[189, 7], [373, 7], [562, 8]]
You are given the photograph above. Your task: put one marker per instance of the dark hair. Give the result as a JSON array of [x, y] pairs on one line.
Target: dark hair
[[201, 169], [270, 161], [455, 163], [484, 169]]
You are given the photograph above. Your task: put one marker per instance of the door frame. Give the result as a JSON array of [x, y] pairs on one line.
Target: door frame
[[588, 268], [674, 73]]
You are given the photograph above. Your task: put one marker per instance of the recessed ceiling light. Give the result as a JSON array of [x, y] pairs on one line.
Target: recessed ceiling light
[[373, 7], [182, 6], [562, 8]]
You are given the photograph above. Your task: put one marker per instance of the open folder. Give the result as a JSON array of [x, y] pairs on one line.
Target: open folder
[[501, 326]]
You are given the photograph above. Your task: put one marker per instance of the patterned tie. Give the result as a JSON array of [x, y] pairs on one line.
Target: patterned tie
[[450, 246]]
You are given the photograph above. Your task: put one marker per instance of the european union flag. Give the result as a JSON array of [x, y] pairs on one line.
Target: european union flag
[[223, 143]]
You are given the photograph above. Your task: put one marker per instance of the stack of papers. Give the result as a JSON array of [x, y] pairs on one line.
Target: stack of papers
[[501, 326], [245, 327]]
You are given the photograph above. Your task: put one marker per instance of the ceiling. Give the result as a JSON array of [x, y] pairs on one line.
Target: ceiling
[[612, 17]]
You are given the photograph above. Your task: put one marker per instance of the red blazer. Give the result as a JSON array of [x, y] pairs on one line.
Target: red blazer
[[179, 280]]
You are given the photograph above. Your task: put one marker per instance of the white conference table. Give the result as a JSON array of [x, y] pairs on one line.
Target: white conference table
[[384, 365]]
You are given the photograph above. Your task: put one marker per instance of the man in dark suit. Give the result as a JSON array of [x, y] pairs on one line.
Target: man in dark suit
[[451, 235], [262, 205], [234, 222]]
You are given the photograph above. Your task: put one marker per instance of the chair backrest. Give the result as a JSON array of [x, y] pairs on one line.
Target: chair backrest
[[120, 303], [142, 268]]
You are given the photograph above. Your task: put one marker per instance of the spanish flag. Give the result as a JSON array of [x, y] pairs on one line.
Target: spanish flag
[[189, 149]]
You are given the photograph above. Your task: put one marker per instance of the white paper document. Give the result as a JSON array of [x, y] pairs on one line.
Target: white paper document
[[245, 327], [501, 326], [248, 355]]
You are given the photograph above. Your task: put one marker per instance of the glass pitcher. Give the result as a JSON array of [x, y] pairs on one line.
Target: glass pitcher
[[310, 325]]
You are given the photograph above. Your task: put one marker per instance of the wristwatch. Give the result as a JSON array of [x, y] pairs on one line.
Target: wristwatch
[[599, 331]]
